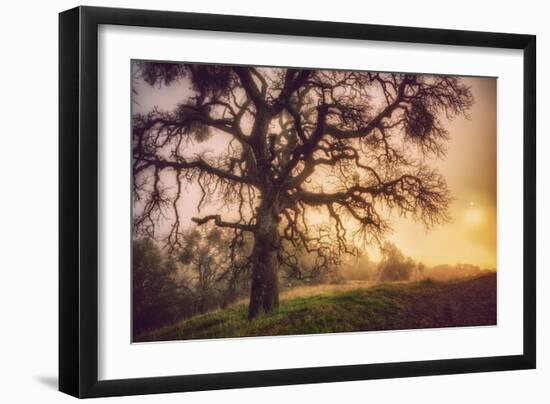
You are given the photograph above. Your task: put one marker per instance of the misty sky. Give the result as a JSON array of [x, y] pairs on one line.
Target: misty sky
[[470, 170]]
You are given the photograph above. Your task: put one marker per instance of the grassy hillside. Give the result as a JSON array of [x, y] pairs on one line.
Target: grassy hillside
[[424, 304]]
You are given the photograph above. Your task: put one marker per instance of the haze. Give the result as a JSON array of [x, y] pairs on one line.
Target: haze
[[469, 167]]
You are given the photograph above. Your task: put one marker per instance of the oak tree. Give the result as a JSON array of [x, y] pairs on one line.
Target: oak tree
[[351, 146]]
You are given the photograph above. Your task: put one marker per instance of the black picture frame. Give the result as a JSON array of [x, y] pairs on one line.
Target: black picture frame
[[78, 201]]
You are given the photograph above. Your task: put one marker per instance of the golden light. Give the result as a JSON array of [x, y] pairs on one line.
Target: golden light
[[473, 216]]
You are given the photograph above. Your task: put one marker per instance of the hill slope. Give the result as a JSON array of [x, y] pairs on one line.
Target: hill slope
[[425, 304]]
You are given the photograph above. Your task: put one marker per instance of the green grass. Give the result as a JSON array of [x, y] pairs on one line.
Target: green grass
[[424, 304]]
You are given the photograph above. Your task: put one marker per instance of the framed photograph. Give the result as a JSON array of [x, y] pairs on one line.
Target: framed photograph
[[251, 201]]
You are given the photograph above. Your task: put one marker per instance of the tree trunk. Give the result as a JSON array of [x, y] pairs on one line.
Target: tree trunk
[[264, 291]]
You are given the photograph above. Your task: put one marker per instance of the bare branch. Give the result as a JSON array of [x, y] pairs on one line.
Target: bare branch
[[219, 222], [202, 166]]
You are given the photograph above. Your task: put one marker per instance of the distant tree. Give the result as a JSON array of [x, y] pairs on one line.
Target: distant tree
[[349, 145], [395, 266], [215, 276], [156, 297], [361, 267], [450, 272]]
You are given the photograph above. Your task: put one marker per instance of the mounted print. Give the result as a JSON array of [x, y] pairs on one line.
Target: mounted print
[[277, 201], [251, 202]]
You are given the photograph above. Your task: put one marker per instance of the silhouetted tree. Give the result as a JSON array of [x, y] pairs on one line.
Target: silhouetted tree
[[346, 144]]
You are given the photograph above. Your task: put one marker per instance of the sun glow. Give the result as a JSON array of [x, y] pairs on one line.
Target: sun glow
[[473, 216]]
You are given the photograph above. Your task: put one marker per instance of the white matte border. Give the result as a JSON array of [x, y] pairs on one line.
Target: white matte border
[[118, 358]]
